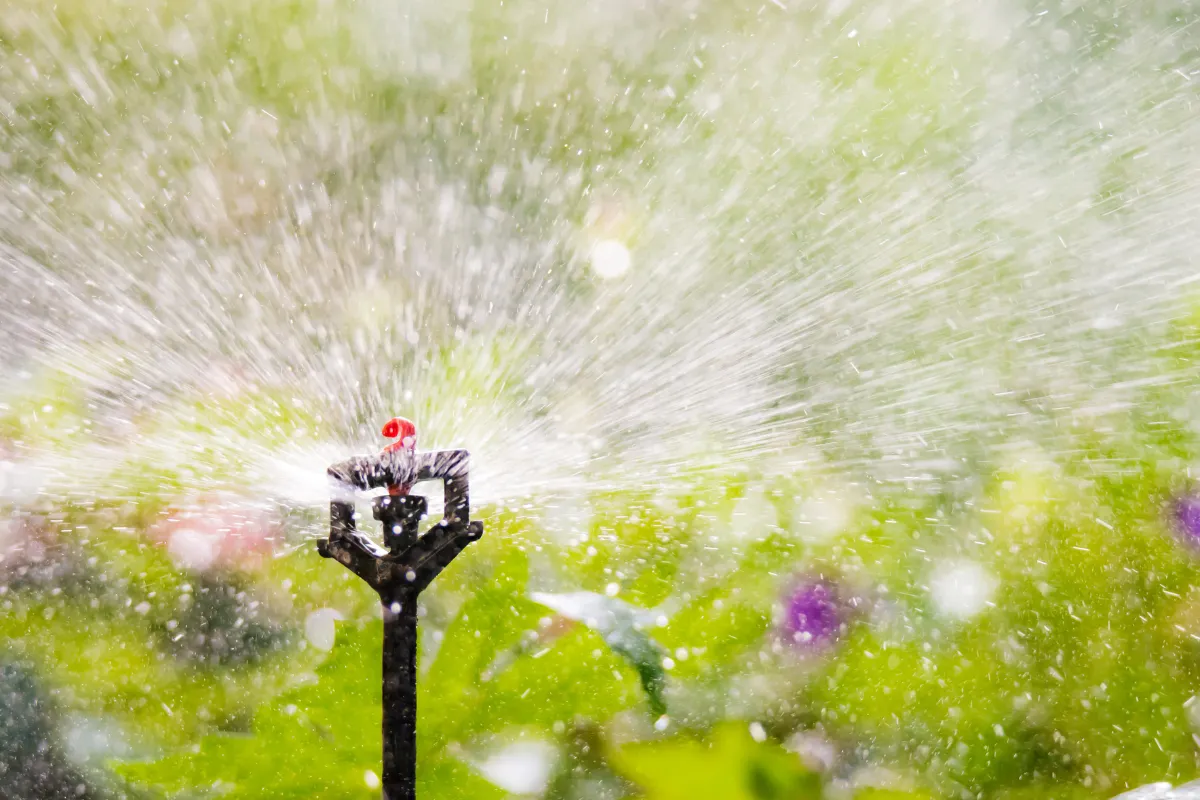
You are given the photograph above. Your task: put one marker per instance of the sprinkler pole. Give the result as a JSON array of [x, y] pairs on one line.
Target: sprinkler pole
[[400, 572]]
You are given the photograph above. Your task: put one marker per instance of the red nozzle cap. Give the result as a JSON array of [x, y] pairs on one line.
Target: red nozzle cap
[[405, 433], [402, 429]]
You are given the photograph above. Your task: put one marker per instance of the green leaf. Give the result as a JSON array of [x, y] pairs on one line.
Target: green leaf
[[575, 677], [620, 625], [729, 765], [875, 793], [492, 621]]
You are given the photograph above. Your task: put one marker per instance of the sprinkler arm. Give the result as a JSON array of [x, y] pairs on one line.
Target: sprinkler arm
[[350, 548], [403, 468]]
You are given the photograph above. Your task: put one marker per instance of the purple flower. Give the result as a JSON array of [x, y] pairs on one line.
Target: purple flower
[[1187, 517], [812, 613]]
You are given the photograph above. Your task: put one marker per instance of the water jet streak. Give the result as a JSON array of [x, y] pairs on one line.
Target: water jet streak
[[796, 255]]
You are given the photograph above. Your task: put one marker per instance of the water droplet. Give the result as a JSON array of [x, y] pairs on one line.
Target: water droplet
[[610, 259], [320, 629]]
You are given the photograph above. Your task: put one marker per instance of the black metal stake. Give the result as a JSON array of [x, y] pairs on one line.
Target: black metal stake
[[400, 699], [399, 574]]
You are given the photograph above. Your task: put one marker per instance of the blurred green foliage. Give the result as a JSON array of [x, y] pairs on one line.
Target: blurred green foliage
[[1080, 673]]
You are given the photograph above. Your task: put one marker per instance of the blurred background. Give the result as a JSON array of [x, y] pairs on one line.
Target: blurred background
[[828, 367]]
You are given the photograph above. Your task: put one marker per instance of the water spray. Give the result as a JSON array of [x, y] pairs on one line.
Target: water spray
[[399, 571]]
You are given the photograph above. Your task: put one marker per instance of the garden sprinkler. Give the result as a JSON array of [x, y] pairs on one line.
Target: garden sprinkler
[[400, 572]]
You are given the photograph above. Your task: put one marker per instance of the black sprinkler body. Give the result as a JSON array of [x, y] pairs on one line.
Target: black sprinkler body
[[400, 572]]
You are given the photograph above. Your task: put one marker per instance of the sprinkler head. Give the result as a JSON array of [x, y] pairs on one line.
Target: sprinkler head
[[406, 549]]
